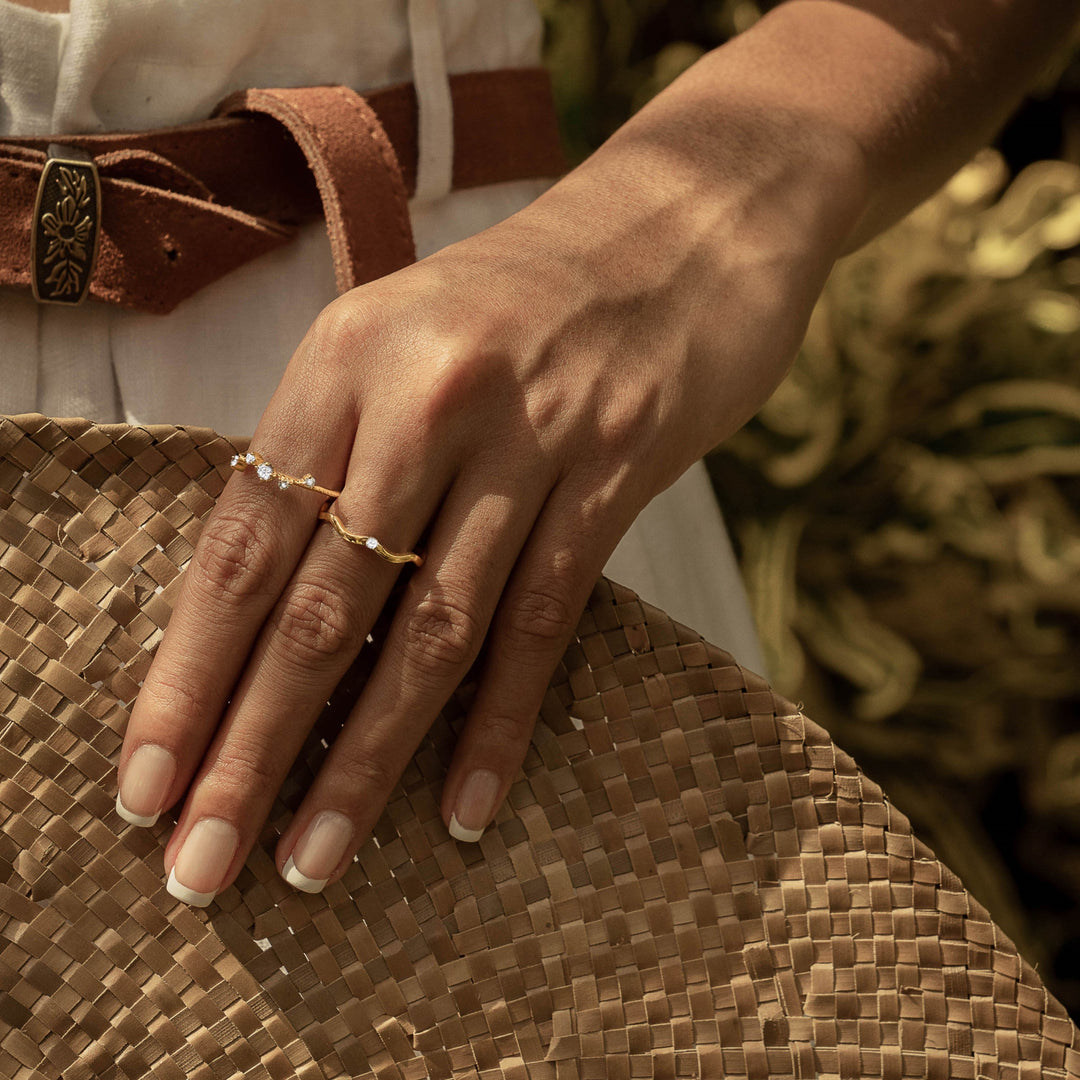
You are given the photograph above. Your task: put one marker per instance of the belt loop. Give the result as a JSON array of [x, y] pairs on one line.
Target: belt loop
[[356, 170], [435, 120]]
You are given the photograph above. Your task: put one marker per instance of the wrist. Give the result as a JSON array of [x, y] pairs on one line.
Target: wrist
[[738, 134], [711, 162], [703, 182]]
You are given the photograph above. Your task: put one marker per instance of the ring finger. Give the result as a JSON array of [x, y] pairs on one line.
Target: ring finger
[[434, 638]]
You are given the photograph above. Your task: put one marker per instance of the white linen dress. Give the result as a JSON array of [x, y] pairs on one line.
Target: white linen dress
[[215, 361]]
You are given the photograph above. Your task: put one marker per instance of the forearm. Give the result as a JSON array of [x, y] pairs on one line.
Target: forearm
[[919, 84], [882, 100]]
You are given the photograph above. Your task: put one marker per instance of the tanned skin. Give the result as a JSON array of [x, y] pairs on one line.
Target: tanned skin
[[518, 397]]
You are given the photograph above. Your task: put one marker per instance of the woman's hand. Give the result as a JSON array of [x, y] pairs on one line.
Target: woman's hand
[[515, 399]]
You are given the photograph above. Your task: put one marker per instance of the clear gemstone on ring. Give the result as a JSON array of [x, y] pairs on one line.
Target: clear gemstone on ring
[[235, 460], [371, 543], [309, 481], [264, 471], [249, 458], [283, 484]]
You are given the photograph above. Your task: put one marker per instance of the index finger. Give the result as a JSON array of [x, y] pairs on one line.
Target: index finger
[[244, 556]]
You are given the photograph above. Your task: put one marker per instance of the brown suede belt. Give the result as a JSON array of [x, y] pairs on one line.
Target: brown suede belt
[[180, 207]]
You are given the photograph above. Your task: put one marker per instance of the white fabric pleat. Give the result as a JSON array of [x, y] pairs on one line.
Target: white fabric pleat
[[67, 385], [679, 548], [435, 120], [18, 351]]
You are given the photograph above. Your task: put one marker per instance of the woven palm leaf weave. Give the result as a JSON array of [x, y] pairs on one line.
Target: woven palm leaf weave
[[688, 879]]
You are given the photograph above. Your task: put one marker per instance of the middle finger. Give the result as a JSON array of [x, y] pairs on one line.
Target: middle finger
[[434, 638], [308, 642]]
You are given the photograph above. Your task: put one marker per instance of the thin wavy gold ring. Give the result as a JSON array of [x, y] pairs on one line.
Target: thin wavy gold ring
[[368, 542]]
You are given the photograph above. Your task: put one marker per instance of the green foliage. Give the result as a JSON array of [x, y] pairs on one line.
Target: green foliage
[[906, 506], [609, 57]]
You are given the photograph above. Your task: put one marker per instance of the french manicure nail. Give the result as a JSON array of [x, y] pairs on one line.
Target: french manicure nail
[[318, 851], [203, 861], [147, 779], [475, 806]]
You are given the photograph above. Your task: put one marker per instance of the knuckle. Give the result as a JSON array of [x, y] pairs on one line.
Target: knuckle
[[360, 774], [505, 730], [316, 624], [339, 331], [542, 615], [457, 373], [441, 635], [621, 423], [616, 435], [339, 352], [449, 382], [169, 695], [597, 508], [546, 411], [234, 556], [244, 767]]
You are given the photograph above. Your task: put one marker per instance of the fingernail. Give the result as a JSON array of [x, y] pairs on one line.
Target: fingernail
[[203, 861], [475, 806], [318, 851], [147, 779]]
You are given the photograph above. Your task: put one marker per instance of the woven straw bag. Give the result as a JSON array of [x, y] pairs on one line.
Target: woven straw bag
[[688, 878]]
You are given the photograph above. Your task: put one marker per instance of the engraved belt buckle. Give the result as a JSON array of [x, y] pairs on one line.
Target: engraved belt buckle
[[67, 216]]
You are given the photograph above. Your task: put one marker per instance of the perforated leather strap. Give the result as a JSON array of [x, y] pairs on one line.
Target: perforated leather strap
[[181, 207]]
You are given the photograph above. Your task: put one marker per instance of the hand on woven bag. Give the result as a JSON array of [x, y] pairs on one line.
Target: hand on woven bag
[[510, 404]]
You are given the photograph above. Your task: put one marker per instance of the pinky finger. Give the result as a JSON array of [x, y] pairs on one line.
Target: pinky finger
[[536, 618]]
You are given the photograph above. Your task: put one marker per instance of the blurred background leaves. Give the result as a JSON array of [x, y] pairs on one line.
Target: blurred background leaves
[[907, 505]]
